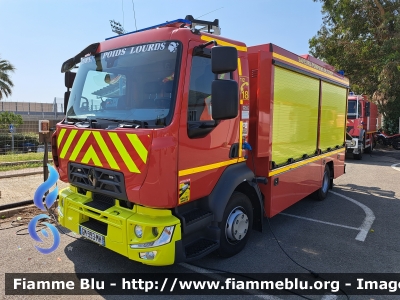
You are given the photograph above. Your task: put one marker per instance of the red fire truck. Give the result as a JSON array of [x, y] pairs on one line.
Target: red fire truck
[[362, 124], [177, 142]]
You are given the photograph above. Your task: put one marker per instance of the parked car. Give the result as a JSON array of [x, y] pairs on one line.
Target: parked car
[[28, 147], [40, 148]]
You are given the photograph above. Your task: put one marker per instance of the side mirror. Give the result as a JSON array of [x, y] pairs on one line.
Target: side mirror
[[67, 65], [225, 99], [69, 79], [66, 98], [223, 59]]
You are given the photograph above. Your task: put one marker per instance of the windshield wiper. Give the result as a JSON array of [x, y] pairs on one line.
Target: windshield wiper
[[80, 122], [76, 119], [127, 123]]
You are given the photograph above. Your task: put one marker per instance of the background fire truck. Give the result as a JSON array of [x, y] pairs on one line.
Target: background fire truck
[[362, 125], [153, 180]]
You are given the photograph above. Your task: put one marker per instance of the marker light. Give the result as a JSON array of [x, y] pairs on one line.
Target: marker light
[[138, 231]]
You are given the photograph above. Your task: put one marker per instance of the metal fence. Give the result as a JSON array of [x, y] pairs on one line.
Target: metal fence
[[22, 152], [56, 108]]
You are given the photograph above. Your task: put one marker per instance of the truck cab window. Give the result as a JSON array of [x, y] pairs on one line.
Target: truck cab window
[[352, 109], [199, 100], [135, 84], [359, 110]]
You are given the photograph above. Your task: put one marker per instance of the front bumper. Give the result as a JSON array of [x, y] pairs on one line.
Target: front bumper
[[352, 144], [117, 225]]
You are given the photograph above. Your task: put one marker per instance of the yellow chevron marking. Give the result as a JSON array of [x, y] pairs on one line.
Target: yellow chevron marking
[[79, 145], [124, 154], [60, 137], [137, 144], [91, 155], [107, 154], [68, 142]]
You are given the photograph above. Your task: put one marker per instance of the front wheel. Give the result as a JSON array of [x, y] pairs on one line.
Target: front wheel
[[360, 151], [236, 224], [371, 145]]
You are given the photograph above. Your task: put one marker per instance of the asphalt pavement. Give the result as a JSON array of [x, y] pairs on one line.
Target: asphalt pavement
[[354, 230]]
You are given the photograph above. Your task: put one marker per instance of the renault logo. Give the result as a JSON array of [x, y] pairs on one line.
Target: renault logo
[[92, 177]]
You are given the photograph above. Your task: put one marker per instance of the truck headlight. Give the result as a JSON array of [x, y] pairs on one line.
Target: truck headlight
[[164, 238]]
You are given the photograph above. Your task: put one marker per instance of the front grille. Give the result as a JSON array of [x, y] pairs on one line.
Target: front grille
[[97, 180]]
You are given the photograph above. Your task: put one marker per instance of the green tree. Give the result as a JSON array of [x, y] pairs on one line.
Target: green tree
[[5, 81], [7, 118], [362, 37]]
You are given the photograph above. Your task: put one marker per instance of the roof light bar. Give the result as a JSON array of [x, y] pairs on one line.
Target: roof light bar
[[205, 26], [199, 25]]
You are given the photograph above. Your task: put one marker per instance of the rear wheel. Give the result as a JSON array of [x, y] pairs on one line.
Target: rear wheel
[[396, 143], [322, 192], [371, 145], [236, 224]]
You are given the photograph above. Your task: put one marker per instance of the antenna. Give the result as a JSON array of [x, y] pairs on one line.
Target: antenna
[[134, 14], [123, 14], [208, 12]]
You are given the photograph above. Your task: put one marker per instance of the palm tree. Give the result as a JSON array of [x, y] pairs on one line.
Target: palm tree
[[5, 82]]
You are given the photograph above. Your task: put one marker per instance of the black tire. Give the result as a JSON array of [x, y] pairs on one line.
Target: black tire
[[322, 192], [371, 145], [380, 141], [358, 156], [396, 143], [360, 153], [237, 211]]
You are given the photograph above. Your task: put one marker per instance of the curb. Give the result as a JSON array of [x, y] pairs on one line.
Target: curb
[[7, 213], [16, 163], [20, 174]]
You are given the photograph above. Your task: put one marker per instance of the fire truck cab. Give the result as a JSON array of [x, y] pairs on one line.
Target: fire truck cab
[[362, 123]]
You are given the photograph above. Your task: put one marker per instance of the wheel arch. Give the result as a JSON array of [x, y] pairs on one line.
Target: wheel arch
[[251, 191], [238, 178]]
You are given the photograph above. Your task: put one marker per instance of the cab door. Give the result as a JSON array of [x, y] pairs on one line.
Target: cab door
[[204, 147]]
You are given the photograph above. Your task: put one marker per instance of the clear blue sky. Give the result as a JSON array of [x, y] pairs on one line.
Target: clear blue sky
[[37, 36]]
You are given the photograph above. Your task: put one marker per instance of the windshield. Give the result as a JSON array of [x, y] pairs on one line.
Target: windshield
[[135, 83], [352, 109]]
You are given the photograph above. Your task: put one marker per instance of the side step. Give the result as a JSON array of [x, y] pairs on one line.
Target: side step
[[200, 233], [196, 219], [200, 248]]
